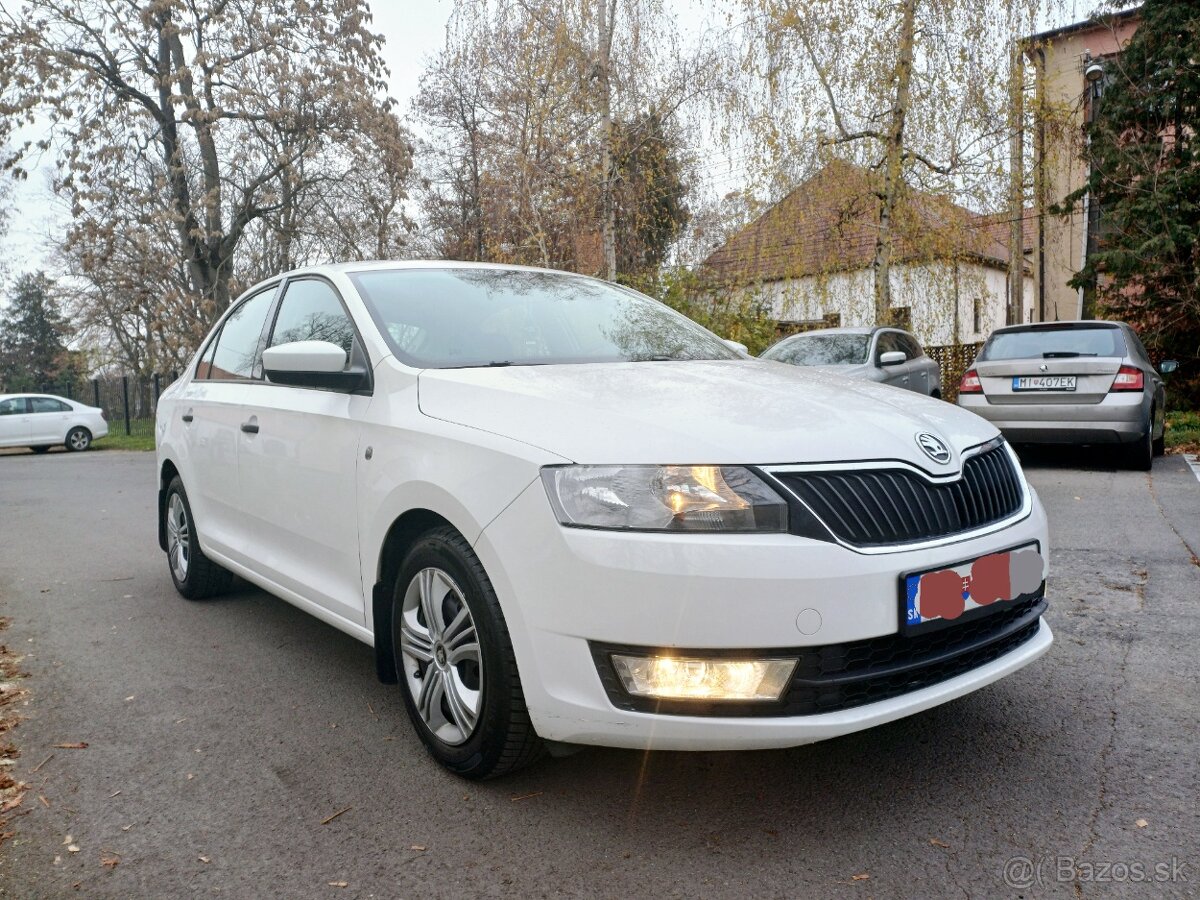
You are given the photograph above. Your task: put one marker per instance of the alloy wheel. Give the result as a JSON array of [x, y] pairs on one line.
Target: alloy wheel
[[443, 666], [178, 535]]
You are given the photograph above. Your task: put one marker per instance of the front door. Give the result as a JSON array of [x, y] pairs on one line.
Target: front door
[[298, 472], [14, 422]]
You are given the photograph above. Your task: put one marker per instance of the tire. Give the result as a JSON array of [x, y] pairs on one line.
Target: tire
[[78, 439], [40, 449], [196, 576], [463, 696], [1139, 455]]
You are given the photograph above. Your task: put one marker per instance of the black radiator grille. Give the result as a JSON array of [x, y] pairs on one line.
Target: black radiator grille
[[873, 507]]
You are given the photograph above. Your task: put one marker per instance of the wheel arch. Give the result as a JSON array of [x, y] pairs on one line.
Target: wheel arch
[[400, 537], [166, 473]]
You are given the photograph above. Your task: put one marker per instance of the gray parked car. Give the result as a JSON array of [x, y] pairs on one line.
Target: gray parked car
[[887, 355], [1087, 382]]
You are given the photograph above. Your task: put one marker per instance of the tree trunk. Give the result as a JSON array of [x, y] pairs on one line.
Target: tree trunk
[[893, 160], [1016, 189], [608, 224]]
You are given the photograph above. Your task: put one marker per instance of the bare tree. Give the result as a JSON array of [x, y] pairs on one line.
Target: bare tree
[[211, 125]]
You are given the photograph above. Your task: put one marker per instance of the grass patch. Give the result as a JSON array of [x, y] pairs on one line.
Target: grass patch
[[125, 442], [1183, 432]]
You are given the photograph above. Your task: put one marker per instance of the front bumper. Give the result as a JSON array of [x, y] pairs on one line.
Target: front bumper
[[1118, 418], [565, 591]]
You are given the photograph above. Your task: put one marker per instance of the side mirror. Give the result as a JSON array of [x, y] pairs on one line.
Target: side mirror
[[1167, 366], [892, 358], [739, 347], [316, 364]]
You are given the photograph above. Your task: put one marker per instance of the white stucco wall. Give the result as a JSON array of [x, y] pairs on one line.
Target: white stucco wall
[[928, 291]]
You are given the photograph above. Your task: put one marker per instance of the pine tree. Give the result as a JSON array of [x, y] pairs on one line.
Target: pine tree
[[33, 350], [1144, 187]]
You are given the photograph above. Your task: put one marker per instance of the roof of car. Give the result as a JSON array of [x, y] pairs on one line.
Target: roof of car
[[377, 264], [867, 329], [1067, 323]]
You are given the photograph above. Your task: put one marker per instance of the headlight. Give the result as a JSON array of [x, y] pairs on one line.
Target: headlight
[[664, 498]]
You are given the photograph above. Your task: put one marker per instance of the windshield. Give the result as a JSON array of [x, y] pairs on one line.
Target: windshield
[[454, 318], [1052, 343], [821, 350]]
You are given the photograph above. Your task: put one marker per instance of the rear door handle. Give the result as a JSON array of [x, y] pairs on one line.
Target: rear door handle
[[250, 427], [187, 417]]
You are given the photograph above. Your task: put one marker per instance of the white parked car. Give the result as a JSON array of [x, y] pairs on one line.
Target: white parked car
[[562, 513], [40, 421], [886, 355]]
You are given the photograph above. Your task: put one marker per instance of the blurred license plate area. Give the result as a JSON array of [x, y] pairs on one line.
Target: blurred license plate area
[[941, 597], [1044, 383]]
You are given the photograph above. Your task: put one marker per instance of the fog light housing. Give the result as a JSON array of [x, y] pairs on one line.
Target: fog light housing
[[700, 678]]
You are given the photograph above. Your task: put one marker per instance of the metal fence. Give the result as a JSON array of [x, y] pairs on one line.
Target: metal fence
[[128, 401]]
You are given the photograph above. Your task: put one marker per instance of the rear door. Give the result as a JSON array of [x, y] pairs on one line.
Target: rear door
[[49, 420], [1047, 365], [14, 422], [924, 374], [298, 472], [212, 411]]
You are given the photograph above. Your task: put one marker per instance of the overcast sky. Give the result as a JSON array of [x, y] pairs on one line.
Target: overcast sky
[[414, 29]]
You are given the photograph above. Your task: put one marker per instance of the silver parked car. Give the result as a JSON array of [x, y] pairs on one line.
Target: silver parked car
[[886, 355], [1087, 382]]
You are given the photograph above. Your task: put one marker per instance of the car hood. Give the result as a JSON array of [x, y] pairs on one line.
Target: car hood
[[847, 370], [698, 412]]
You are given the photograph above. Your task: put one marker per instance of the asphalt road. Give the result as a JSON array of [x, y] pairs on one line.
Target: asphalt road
[[221, 735]]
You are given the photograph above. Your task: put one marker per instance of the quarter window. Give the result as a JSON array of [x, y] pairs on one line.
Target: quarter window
[[239, 345], [311, 311]]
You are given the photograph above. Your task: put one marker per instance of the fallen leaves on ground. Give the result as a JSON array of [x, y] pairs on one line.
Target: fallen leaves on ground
[[1141, 823], [110, 860], [72, 745], [339, 884], [420, 848], [936, 843], [329, 819], [862, 877], [12, 792]]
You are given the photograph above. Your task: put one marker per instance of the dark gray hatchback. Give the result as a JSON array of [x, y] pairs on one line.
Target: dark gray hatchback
[[1086, 382]]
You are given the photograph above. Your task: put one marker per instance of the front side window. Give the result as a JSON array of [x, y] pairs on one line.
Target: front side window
[[889, 342], [311, 311], [1052, 343], [240, 343], [911, 346], [48, 405], [821, 350], [13, 406], [456, 318]]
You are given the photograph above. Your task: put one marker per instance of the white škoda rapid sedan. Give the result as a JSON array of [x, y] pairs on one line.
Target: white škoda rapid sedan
[[564, 514]]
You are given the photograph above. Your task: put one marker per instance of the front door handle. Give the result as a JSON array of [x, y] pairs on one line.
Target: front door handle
[[187, 417], [250, 427]]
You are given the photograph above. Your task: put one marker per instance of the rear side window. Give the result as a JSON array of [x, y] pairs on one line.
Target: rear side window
[[48, 405], [1053, 343], [311, 311], [13, 406], [239, 345]]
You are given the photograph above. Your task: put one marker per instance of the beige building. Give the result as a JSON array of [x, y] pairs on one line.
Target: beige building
[[808, 261], [1071, 65]]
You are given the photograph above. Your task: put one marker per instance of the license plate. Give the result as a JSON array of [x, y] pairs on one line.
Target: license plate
[[1044, 383], [971, 588]]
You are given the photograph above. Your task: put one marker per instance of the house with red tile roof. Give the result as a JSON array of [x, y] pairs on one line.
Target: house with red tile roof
[[808, 261]]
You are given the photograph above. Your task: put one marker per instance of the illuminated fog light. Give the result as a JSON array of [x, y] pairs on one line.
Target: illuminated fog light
[[690, 678]]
